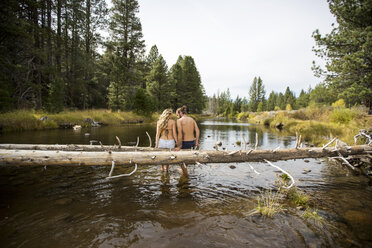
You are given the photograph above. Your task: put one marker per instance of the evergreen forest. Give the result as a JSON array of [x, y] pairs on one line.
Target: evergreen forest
[[54, 57]]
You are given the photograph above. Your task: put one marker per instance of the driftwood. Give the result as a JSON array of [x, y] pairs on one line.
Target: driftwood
[[152, 157]]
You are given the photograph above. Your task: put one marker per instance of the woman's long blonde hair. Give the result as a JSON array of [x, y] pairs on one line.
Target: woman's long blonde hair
[[164, 118]]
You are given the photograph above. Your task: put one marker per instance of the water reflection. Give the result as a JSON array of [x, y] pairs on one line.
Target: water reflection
[[229, 133]]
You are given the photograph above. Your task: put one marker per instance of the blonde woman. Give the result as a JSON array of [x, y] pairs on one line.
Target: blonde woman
[[166, 133]]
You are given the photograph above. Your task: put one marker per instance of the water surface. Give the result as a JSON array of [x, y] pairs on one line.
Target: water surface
[[77, 207]]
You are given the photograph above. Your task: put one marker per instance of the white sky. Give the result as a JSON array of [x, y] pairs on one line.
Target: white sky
[[234, 41]]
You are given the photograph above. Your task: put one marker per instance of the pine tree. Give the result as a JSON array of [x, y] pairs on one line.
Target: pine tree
[[256, 94], [159, 86], [280, 102], [322, 95], [303, 100], [347, 51], [176, 78], [237, 104], [152, 57], [191, 91], [244, 107], [271, 101], [143, 104], [289, 97], [128, 47]]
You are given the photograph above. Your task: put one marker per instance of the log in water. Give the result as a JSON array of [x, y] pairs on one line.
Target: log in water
[[104, 158]]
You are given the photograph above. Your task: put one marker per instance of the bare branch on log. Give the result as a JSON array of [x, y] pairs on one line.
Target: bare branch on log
[[117, 138], [232, 153], [148, 135], [276, 149], [112, 168], [254, 169], [245, 142], [345, 160], [293, 181], [296, 140], [255, 147], [329, 143], [124, 175]]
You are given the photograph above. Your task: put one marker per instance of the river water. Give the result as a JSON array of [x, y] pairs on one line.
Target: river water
[[77, 207]]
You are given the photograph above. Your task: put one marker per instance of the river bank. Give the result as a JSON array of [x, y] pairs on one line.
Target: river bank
[[24, 120], [316, 125]]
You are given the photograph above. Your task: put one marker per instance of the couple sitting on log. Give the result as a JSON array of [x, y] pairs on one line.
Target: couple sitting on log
[[167, 135]]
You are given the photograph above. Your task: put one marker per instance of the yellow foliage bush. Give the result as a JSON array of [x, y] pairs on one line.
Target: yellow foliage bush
[[339, 104]]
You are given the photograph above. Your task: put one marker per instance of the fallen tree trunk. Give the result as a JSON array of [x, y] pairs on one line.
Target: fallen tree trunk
[[74, 147], [80, 158]]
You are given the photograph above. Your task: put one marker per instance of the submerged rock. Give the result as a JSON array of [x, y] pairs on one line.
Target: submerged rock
[[361, 223], [63, 201]]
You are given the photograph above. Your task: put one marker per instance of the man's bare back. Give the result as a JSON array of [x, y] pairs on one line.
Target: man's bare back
[[186, 128]]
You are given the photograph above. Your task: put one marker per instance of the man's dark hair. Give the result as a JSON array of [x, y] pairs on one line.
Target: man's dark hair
[[182, 109]]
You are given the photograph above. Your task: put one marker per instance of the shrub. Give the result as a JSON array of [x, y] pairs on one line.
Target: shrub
[[268, 121], [342, 115], [288, 107], [251, 116], [339, 104], [243, 115], [299, 115]]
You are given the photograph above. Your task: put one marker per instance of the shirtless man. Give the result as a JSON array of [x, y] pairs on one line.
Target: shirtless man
[[186, 127], [186, 139]]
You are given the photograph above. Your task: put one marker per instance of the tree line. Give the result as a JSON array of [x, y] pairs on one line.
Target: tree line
[[53, 56], [256, 101]]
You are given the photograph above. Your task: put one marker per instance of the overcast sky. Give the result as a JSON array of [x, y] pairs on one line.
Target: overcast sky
[[234, 41]]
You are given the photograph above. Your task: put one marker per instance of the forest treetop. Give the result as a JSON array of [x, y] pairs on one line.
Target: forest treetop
[[50, 60]]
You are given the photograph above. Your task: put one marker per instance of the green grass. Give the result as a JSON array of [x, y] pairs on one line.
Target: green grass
[[22, 120], [25, 120], [313, 215], [268, 204], [298, 197]]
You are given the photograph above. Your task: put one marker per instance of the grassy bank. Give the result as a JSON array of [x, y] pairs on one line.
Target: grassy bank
[[316, 125], [22, 120]]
